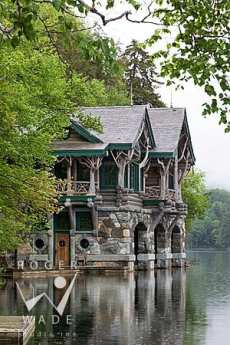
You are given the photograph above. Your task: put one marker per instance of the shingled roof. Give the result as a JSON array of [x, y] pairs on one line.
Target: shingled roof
[[166, 125], [120, 124]]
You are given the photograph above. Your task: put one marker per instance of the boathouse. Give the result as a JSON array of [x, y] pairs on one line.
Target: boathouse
[[120, 190]]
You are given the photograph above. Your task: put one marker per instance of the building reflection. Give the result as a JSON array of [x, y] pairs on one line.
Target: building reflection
[[142, 308]]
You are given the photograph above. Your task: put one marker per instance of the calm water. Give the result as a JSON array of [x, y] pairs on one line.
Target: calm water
[[158, 308]]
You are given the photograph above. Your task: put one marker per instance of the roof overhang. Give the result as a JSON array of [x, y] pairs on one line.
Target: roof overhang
[[80, 153], [85, 133], [153, 154]]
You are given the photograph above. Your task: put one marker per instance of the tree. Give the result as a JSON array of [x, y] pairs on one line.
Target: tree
[[140, 75], [34, 110], [197, 33], [90, 55], [195, 196], [212, 230], [36, 100]]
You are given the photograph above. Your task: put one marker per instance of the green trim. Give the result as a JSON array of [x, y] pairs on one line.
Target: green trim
[[72, 198], [149, 128], [60, 231], [80, 153], [189, 136], [84, 133], [152, 202], [78, 217], [119, 146], [108, 174], [161, 154], [57, 218]]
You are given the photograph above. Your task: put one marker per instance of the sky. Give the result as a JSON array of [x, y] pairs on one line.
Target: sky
[[211, 144]]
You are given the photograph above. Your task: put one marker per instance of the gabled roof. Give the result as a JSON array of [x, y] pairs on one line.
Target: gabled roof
[[85, 133], [167, 124], [121, 124]]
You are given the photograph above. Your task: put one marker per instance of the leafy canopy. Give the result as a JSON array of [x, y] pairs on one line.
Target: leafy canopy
[[37, 98], [195, 196], [197, 33]]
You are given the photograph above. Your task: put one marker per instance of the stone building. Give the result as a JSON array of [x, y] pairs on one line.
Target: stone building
[[120, 190]]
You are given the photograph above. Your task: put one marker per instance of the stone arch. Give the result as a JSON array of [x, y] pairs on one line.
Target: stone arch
[[160, 239], [140, 246], [176, 240]]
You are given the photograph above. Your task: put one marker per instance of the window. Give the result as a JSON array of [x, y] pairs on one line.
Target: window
[[61, 221], [171, 181], [108, 174], [83, 172], [134, 177], [84, 220]]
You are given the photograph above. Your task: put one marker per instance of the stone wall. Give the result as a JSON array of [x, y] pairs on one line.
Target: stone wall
[[116, 230]]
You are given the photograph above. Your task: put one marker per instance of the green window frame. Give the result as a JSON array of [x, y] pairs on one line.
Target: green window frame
[[108, 174], [84, 221], [61, 221], [134, 177]]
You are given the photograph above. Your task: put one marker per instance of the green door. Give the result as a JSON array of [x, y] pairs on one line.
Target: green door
[[108, 175]]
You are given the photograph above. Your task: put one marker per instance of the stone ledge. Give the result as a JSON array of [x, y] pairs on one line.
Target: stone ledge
[[112, 257], [179, 256], [145, 257], [39, 257], [164, 256]]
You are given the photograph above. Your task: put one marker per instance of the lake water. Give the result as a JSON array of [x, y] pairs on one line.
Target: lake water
[[157, 308]]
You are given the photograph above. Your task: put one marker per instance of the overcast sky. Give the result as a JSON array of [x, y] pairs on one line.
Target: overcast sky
[[211, 144]]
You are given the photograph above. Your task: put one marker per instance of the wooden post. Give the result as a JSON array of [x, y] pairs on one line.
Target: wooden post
[[92, 189], [164, 171], [121, 173], [93, 163], [75, 169], [69, 174], [176, 177], [162, 184]]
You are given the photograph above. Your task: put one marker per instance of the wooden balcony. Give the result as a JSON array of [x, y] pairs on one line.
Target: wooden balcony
[[154, 193], [74, 187]]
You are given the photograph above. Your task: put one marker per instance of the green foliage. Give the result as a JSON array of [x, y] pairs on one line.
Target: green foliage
[[199, 48], [37, 97], [140, 75], [197, 33], [195, 196], [33, 111], [213, 230]]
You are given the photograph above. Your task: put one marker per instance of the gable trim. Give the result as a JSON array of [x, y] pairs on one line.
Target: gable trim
[[152, 140], [82, 131]]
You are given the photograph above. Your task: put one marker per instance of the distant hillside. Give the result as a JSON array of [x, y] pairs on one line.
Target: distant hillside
[[213, 230]]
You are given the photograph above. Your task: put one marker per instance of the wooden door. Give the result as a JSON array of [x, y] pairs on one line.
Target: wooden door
[[62, 249]]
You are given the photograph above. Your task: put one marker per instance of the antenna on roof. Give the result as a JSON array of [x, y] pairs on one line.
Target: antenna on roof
[[131, 94], [171, 99]]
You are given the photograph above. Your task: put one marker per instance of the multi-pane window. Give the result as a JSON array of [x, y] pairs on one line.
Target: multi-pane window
[[84, 220]]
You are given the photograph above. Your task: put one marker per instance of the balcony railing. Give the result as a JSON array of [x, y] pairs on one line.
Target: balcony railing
[[154, 192], [73, 187], [171, 195]]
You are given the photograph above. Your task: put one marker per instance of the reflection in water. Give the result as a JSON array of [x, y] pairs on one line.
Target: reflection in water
[[155, 308]]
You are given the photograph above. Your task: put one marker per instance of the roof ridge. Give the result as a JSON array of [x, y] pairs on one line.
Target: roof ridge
[[116, 106]]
